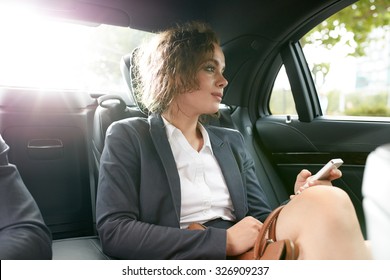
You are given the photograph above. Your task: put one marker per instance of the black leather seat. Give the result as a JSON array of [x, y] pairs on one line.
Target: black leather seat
[[110, 108]]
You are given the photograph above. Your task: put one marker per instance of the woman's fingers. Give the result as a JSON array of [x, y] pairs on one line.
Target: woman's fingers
[[242, 236]]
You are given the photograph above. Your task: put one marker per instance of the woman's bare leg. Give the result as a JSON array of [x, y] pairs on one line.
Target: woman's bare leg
[[323, 222]]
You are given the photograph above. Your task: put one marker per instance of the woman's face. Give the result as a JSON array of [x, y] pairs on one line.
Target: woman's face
[[205, 99]]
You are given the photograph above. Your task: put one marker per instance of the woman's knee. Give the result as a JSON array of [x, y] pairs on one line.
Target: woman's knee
[[331, 205], [327, 196], [319, 213], [320, 206]]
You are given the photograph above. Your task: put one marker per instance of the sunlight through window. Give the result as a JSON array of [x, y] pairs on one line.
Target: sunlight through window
[[43, 53]]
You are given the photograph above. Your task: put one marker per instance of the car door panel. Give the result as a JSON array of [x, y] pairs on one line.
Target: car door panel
[[294, 145]]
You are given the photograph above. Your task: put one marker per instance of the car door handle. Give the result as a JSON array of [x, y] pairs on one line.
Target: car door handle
[[45, 149], [45, 144]]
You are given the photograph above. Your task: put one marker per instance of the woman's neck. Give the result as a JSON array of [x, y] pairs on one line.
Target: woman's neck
[[188, 126]]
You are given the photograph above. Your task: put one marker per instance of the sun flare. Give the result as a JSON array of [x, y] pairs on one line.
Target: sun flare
[[39, 51]]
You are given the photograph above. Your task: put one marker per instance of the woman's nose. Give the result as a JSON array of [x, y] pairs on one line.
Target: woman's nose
[[222, 82]]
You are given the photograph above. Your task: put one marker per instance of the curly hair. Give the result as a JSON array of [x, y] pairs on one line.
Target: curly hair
[[168, 64]]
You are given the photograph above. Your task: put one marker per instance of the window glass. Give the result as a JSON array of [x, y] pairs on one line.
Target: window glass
[[282, 102], [38, 52], [349, 57]]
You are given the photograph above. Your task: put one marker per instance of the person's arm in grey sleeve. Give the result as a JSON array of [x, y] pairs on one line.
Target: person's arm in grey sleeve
[[23, 233]]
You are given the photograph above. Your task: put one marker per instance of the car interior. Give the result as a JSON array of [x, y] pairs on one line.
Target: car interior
[[56, 136]]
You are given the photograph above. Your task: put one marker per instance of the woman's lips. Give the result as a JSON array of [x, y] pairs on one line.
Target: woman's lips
[[217, 95]]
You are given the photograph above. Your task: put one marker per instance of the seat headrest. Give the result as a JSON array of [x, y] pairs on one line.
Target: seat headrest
[[129, 69]]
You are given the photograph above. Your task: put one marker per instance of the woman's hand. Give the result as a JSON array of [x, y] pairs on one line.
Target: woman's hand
[[242, 236], [304, 180]]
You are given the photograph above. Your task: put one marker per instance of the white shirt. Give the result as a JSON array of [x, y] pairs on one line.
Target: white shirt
[[204, 193]]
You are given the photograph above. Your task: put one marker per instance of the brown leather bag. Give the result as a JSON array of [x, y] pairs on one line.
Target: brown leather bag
[[266, 246]]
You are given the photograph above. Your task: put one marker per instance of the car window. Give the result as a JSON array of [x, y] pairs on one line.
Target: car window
[[282, 102], [37, 51], [349, 58]]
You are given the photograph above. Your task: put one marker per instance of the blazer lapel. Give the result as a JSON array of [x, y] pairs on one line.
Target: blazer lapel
[[163, 148], [223, 155], [231, 172]]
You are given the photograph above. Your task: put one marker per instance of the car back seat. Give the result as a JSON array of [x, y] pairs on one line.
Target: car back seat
[[112, 108], [117, 109], [81, 248]]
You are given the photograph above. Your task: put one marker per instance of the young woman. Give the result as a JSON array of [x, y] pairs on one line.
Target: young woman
[[162, 173]]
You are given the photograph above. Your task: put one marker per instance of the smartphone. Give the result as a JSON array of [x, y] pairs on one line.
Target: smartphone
[[323, 174]]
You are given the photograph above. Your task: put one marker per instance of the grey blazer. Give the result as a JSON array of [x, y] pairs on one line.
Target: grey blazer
[[138, 197], [23, 233]]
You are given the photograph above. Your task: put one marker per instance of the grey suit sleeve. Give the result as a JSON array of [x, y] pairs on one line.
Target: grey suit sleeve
[[258, 205], [23, 234], [124, 230]]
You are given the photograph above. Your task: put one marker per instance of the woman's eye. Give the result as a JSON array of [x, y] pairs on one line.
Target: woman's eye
[[210, 68]]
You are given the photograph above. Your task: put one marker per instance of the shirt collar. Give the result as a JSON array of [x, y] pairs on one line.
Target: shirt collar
[[171, 129], [206, 138]]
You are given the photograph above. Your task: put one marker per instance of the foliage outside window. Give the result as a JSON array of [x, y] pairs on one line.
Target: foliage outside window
[[349, 57]]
